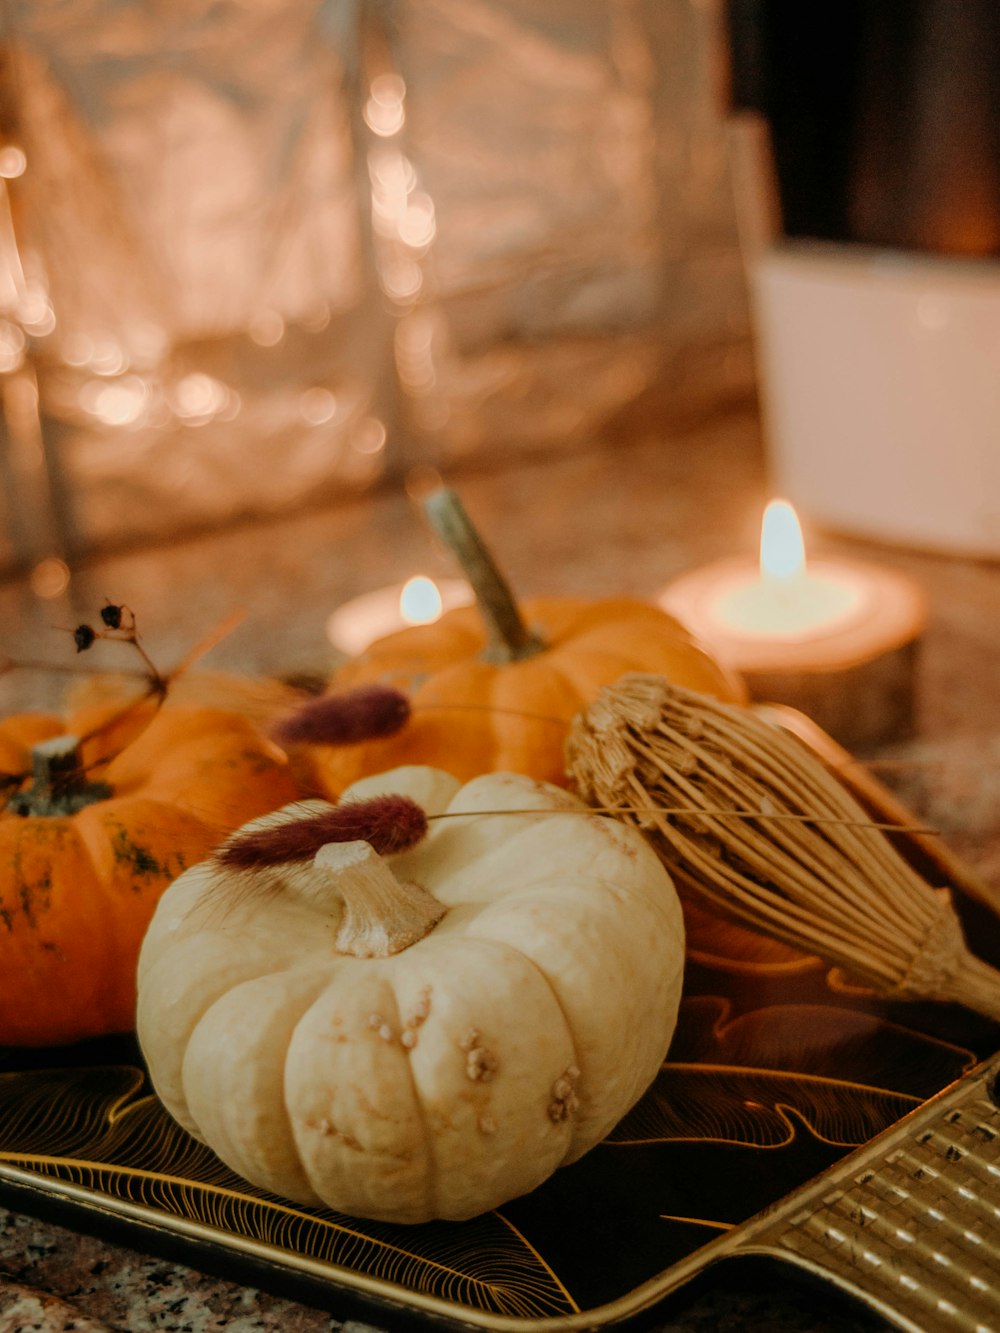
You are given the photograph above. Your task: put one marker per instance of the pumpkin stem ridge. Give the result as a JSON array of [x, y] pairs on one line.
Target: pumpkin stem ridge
[[382, 915], [510, 638]]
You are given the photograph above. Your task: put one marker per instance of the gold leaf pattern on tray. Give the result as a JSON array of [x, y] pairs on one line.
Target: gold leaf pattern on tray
[[797, 1082], [852, 1045], [80, 1126], [756, 1108]]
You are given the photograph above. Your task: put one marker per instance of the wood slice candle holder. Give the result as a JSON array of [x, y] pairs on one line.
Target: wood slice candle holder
[[855, 677]]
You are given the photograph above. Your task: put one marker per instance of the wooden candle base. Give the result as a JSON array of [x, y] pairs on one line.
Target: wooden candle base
[[855, 678], [861, 706]]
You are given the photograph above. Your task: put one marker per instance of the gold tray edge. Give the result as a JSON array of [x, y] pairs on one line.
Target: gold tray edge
[[632, 1303]]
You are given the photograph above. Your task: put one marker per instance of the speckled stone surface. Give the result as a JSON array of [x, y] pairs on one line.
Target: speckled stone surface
[[624, 520], [53, 1276]]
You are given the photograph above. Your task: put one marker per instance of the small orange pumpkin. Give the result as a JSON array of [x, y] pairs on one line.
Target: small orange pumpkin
[[502, 698], [88, 846]]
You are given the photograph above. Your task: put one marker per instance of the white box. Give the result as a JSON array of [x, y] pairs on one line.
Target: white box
[[880, 378]]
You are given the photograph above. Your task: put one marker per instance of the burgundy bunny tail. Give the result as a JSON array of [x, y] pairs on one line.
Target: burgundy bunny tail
[[388, 823], [368, 713]]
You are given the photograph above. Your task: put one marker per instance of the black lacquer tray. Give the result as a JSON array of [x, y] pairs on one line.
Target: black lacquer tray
[[779, 1070]]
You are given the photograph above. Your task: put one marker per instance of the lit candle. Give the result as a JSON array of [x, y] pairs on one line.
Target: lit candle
[[373, 615], [835, 638]]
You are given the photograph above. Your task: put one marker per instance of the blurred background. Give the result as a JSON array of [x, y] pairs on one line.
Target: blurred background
[[255, 257]]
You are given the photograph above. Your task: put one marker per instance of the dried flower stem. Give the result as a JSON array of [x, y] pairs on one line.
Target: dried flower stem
[[119, 626], [719, 813], [493, 710], [205, 644]]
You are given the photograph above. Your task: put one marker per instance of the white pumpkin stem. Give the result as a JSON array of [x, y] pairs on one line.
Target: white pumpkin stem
[[382, 916]]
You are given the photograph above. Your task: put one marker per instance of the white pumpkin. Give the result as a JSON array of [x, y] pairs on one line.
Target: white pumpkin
[[448, 1077]]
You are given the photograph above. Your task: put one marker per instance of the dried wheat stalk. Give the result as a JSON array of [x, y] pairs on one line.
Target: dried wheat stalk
[[826, 884]]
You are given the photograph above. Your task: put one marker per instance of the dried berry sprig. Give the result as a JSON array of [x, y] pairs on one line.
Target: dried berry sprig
[[84, 636], [58, 777], [119, 625]]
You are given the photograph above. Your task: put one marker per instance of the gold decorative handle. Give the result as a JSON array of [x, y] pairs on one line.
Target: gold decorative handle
[[910, 1223]]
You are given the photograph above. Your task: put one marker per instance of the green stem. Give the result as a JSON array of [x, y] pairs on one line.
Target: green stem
[[510, 639], [59, 785]]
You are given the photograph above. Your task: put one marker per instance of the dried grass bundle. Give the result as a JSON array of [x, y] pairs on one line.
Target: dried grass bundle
[[775, 841]]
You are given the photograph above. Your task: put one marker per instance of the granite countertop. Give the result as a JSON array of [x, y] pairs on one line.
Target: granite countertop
[[614, 521]]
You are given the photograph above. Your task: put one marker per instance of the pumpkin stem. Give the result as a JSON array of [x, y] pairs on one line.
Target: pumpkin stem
[[382, 915], [510, 639], [59, 784]]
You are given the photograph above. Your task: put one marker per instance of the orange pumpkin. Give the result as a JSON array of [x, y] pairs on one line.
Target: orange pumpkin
[[494, 687], [88, 846], [471, 715]]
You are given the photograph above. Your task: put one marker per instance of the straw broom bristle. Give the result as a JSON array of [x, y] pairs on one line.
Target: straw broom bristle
[[835, 887]]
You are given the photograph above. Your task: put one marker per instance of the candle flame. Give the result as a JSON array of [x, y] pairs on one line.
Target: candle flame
[[782, 550], [420, 601]]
